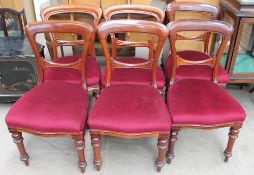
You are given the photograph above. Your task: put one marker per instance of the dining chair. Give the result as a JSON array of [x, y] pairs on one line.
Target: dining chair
[[204, 104], [55, 108], [133, 76], [74, 12], [194, 72], [130, 110]]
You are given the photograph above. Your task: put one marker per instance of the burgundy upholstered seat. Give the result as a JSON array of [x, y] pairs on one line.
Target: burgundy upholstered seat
[[130, 109], [195, 71], [52, 107], [93, 72], [135, 75], [202, 103]]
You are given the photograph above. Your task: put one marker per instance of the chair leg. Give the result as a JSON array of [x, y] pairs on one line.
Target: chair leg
[[18, 139], [232, 136], [171, 145], [162, 146], [96, 143], [80, 146]]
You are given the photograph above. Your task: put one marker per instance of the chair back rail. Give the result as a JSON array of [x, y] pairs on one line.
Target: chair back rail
[[129, 26], [213, 10], [73, 27], [157, 13], [219, 27], [72, 9]]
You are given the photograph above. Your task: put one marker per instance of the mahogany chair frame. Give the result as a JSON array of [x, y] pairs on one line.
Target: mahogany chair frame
[[194, 7], [124, 26], [157, 13], [226, 31], [61, 27], [214, 26], [72, 9]]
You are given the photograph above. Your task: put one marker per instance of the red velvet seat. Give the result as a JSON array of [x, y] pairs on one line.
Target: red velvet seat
[[134, 76], [202, 103], [93, 72], [195, 71], [130, 109], [52, 107]]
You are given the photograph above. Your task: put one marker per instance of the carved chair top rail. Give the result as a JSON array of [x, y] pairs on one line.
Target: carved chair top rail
[[134, 9], [174, 7]]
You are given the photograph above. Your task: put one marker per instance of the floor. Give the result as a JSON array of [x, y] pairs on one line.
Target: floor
[[197, 151]]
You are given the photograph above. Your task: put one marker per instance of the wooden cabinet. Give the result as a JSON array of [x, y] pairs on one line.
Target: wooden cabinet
[[239, 60]]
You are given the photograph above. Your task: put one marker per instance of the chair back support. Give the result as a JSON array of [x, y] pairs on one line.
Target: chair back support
[[142, 10], [194, 7], [219, 27], [130, 26], [157, 13], [82, 29], [73, 10]]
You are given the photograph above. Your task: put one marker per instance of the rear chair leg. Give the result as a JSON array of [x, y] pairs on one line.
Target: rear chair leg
[[96, 143], [18, 139], [232, 136], [80, 146], [171, 145], [162, 146]]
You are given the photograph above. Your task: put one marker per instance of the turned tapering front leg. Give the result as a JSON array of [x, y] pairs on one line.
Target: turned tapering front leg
[[96, 143], [171, 145], [162, 146], [80, 146], [18, 139], [232, 136]]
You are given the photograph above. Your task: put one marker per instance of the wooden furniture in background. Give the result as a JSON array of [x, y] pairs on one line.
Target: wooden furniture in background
[[239, 60], [189, 105], [121, 108], [40, 111]]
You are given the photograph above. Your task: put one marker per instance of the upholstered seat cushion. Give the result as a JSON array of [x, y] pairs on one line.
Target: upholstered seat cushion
[[194, 71], [130, 109], [93, 72], [134, 76], [201, 102], [52, 107]]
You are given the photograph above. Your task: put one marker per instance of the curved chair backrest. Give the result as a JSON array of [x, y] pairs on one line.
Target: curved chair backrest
[[157, 13], [135, 26], [146, 11], [73, 9], [222, 28], [82, 29], [195, 7]]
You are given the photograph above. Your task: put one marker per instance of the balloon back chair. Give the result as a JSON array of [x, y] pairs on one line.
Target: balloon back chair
[[130, 110], [195, 71], [204, 104], [53, 108], [74, 12], [133, 76]]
